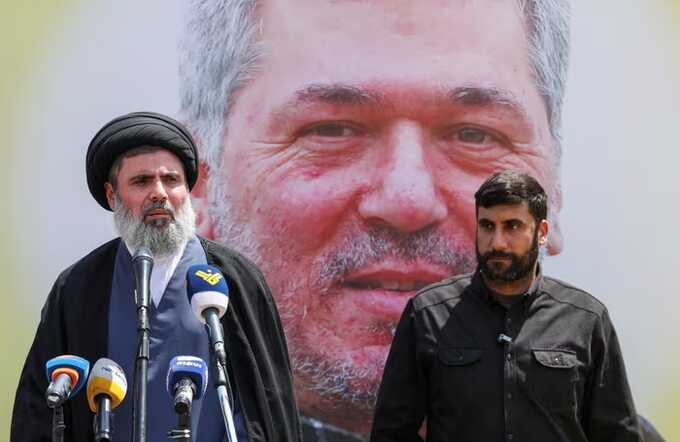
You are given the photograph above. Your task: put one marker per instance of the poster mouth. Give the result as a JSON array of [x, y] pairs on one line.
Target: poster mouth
[[383, 290]]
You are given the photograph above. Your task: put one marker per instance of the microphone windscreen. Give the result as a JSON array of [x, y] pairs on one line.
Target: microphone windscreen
[[190, 367], [207, 288], [75, 367], [106, 378]]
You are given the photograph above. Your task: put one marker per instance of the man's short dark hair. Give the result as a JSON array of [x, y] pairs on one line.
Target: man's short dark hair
[[512, 187]]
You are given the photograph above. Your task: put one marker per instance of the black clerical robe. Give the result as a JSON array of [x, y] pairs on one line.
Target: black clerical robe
[[74, 320]]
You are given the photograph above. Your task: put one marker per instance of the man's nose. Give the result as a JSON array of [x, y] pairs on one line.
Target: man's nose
[[158, 192], [498, 241], [404, 193]]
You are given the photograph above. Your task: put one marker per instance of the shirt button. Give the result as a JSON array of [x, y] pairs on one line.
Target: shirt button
[[509, 395], [510, 436], [508, 356]]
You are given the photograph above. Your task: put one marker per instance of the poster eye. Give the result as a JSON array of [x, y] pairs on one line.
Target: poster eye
[[472, 135], [331, 130]]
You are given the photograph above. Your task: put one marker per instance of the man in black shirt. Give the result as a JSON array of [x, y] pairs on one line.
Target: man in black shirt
[[506, 353]]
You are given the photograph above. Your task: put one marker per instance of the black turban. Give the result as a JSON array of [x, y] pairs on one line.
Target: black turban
[[131, 131]]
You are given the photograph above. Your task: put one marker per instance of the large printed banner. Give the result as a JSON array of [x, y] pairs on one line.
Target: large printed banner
[[342, 144]]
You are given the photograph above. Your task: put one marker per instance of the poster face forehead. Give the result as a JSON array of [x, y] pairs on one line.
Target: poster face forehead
[[437, 44]]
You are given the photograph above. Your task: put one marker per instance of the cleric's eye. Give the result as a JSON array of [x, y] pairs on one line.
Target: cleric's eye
[[171, 179], [140, 181]]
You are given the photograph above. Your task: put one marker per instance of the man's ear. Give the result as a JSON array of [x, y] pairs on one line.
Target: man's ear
[[110, 198], [543, 229], [555, 240], [201, 203]]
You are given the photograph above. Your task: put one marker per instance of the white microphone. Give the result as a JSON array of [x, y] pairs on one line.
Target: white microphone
[[209, 298]]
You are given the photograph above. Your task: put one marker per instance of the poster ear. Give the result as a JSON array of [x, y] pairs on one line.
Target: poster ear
[[200, 202], [555, 239]]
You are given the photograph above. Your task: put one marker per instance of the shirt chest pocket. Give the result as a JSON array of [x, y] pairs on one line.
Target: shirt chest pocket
[[459, 356], [553, 378], [457, 373]]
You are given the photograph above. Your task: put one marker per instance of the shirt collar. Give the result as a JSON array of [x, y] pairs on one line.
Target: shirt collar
[[485, 294]]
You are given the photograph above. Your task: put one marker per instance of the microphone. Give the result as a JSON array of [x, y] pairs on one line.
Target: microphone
[[187, 380], [142, 264], [209, 298], [106, 388], [67, 374]]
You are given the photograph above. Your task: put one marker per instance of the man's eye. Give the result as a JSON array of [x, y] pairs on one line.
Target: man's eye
[[486, 226], [331, 130], [514, 225], [473, 135]]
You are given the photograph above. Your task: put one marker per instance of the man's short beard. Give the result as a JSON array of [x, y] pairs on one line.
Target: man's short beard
[[162, 238], [520, 266]]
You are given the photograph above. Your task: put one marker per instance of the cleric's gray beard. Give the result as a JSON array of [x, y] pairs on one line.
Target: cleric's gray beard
[[164, 238]]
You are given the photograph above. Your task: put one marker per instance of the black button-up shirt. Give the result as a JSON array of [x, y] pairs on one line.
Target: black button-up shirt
[[547, 368]]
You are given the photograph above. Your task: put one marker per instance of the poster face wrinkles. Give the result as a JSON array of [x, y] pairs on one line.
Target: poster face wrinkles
[[342, 145], [348, 166]]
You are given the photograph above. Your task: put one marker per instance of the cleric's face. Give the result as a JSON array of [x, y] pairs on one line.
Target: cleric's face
[[148, 178], [350, 164]]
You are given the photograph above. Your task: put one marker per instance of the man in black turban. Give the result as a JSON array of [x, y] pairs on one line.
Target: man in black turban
[[142, 166]]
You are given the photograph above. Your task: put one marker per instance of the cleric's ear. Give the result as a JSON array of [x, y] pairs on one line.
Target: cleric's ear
[[200, 202], [110, 195]]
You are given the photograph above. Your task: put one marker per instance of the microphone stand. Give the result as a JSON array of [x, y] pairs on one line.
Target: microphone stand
[[58, 424], [219, 358], [223, 394], [141, 375], [55, 397], [183, 430], [142, 359], [102, 420]]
